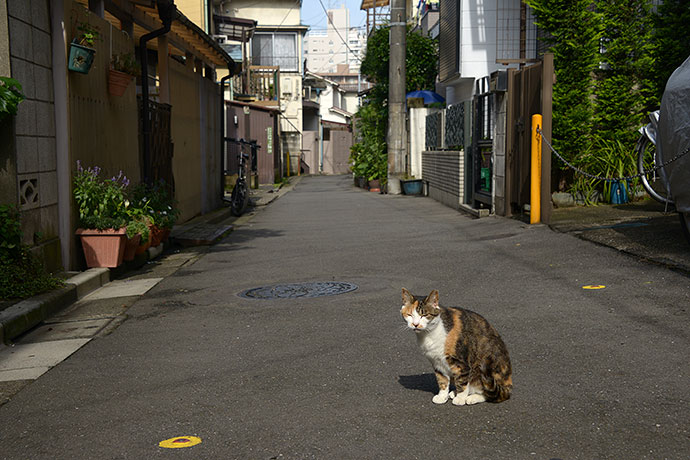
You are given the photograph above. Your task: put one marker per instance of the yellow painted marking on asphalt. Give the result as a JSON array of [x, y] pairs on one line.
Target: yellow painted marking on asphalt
[[594, 286], [180, 442]]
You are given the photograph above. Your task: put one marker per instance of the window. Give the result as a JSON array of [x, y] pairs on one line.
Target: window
[[275, 49]]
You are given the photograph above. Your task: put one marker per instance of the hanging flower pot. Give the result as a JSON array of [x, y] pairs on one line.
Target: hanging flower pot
[[103, 248], [80, 58], [118, 82]]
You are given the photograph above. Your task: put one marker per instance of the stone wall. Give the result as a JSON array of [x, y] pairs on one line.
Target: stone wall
[[35, 153]]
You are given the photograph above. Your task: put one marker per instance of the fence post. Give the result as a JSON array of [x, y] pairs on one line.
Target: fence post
[[535, 172]]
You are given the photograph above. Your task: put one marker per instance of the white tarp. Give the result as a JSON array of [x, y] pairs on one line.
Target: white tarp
[[674, 135]]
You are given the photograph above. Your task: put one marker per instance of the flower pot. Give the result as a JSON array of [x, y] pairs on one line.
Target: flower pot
[[143, 247], [80, 58], [131, 247], [118, 82], [165, 234], [374, 185], [155, 236], [103, 248], [411, 187]]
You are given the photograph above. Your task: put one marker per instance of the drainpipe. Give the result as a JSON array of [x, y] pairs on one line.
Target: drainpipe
[[223, 158], [320, 144], [166, 12]]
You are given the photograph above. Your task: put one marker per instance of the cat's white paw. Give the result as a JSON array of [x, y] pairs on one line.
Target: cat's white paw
[[474, 399], [460, 399], [451, 395], [440, 398]]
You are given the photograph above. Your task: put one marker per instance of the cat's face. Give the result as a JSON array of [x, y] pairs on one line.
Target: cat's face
[[419, 314]]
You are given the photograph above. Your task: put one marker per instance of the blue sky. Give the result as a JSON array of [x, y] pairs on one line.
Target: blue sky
[[313, 15]]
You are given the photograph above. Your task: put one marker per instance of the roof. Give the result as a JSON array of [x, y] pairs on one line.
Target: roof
[[184, 36], [236, 29], [368, 4]]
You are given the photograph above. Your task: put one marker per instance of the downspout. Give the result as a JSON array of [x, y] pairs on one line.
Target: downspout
[[223, 158], [166, 11], [320, 144]]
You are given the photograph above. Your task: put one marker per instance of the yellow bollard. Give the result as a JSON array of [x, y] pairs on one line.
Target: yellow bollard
[[535, 172]]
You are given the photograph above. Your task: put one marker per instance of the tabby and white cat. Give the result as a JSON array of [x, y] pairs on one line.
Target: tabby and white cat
[[463, 348]]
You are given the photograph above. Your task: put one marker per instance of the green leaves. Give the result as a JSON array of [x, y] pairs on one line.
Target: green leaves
[[10, 97]]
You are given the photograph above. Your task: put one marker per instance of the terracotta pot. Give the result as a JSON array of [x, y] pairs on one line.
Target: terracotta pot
[[118, 82], [155, 236], [143, 247], [374, 185], [103, 248], [131, 247], [165, 233]]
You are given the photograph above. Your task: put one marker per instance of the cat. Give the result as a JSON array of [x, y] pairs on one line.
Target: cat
[[463, 348]]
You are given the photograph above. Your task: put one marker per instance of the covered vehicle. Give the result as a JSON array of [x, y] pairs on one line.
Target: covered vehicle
[[674, 140]]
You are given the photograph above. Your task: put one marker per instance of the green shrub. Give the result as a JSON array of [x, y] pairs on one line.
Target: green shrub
[[21, 274]]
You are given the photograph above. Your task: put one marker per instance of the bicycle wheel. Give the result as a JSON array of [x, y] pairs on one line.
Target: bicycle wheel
[[239, 198], [653, 185]]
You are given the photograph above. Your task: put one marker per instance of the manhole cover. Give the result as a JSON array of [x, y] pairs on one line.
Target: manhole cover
[[299, 290]]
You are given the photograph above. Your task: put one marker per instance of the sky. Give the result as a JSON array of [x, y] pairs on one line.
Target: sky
[[314, 16]]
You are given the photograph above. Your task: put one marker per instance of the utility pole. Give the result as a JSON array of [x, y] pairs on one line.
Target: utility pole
[[397, 136]]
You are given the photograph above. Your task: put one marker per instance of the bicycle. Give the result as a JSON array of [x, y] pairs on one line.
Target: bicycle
[[656, 184], [239, 198]]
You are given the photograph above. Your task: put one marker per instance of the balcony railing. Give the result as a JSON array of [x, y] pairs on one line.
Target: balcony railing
[[260, 83]]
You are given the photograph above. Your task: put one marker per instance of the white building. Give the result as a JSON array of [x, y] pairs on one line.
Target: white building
[[338, 44]]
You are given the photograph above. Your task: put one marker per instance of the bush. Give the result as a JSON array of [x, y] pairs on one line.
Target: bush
[[21, 274]]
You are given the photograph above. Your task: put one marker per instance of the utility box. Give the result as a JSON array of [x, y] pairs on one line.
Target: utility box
[[499, 81]]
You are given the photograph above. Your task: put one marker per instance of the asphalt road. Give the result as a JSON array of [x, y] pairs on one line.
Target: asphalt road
[[598, 373]]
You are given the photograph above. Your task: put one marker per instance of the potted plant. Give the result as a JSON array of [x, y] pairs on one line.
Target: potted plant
[[123, 67], [410, 185], [103, 216], [162, 210], [82, 49]]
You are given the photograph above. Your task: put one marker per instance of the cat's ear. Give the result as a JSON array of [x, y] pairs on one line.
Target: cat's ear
[[431, 300], [407, 298]]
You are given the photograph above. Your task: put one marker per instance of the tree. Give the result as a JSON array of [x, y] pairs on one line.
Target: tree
[[671, 40], [624, 87], [369, 156], [574, 31]]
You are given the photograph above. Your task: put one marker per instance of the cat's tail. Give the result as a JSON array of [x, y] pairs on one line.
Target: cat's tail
[[497, 386]]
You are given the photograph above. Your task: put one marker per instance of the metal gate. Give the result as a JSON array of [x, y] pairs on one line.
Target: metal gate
[[482, 145]]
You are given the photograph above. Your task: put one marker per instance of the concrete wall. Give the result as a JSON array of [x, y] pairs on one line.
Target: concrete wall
[[270, 13], [443, 172], [30, 61], [417, 139], [186, 137]]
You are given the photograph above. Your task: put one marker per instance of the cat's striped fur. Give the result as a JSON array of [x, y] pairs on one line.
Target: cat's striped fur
[[463, 348]]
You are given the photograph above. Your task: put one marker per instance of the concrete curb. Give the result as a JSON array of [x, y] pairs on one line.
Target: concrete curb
[[24, 315]]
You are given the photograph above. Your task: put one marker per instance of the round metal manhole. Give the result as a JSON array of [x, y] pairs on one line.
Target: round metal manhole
[[298, 290]]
